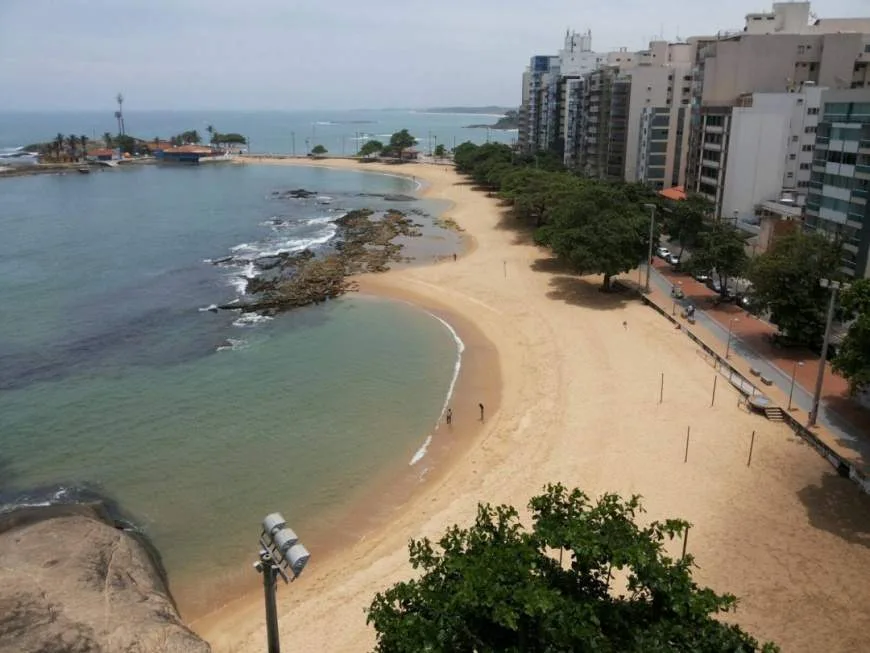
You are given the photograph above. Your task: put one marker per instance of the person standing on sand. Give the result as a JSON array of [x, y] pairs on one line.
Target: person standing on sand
[[448, 416], [481, 411], [454, 256]]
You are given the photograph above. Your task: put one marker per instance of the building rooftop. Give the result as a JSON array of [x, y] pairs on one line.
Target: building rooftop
[[674, 193]]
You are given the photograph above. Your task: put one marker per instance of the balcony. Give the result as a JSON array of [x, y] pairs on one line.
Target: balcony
[[713, 147], [862, 172], [714, 129], [710, 164], [709, 180]]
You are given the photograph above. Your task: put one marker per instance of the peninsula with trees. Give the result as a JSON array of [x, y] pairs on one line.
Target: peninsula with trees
[[510, 120]]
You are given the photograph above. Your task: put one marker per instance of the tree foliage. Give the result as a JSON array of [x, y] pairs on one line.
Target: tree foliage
[[853, 354], [719, 248], [596, 230], [785, 281], [230, 138], [684, 219], [401, 141], [371, 147], [318, 150], [440, 151], [586, 577]]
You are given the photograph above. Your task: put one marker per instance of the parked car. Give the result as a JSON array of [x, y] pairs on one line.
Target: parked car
[[713, 284], [673, 259], [703, 277], [663, 252]]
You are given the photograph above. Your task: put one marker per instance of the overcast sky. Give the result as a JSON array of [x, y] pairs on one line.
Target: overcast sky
[[306, 54]]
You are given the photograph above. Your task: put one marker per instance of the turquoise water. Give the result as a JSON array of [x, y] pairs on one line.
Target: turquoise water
[[199, 425]]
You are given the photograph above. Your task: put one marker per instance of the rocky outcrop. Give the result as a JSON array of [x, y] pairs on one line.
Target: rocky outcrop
[[72, 583]]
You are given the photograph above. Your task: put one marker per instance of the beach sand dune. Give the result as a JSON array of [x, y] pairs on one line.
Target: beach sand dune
[[579, 404]]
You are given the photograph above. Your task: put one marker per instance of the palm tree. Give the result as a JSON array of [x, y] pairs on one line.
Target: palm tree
[[107, 139], [59, 140], [211, 133], [84, 141], [195, 137], [72, 141]]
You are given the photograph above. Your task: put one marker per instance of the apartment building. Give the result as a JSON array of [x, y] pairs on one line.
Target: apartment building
[[838, 203], [777, 53], [538, 117], [603, 124], [760, 149], [658, 114], [550, 85]]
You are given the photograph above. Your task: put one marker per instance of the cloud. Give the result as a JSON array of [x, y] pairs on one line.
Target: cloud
[[298, 54]]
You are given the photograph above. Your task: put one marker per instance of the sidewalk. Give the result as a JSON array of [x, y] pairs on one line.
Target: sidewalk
[[847, 423]]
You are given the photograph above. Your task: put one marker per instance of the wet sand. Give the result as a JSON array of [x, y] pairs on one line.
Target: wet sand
[[579, 403]]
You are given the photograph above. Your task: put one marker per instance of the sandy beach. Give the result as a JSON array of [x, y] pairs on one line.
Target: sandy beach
[[577, 397]]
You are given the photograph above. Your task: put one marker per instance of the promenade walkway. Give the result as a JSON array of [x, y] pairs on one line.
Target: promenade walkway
[[846, 422]]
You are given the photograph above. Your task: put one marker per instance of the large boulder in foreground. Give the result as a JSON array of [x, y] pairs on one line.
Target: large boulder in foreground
[[72, 583]]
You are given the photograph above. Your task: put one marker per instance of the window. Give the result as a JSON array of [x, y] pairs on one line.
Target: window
[[800, 100], [803, 184], [805, 166], [795, 138], [847, 158], [790, 175], [810, 130], [813, 111], [792, 157], [802, 49], [867, 48], [806, 148], [813, 67]]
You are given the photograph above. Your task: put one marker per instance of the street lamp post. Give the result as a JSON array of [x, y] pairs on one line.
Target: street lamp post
[[280, 553], [817, 394], [652, 224], [730, 326], [797, 364]]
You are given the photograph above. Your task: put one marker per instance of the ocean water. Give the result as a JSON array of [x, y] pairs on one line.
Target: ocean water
[[285, 132], [199, 424]]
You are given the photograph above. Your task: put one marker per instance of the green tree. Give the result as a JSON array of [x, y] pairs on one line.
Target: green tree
[[211, 132], [401, 141], [440, 151], [371, 147], [785, 281], [853, 354], [83, 140], [684, 219], [595, 230], [126, 143], [107, 140], [497, 586], [59, 142], [72, 142], [720, 248], [318, 150]]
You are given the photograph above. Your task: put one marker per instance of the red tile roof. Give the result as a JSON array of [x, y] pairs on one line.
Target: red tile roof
[[674, 193]]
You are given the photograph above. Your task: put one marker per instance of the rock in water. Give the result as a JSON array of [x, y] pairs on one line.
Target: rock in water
[[75, 584]]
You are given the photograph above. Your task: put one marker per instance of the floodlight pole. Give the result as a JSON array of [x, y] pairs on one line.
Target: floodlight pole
[[269, 569]]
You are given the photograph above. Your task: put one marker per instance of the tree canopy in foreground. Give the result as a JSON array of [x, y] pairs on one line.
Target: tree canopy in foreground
[[586, 577]]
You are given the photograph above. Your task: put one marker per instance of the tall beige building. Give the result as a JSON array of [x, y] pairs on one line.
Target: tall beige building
[[781, 51]]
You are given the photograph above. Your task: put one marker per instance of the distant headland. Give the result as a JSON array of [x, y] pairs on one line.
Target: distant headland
[[510, 120]]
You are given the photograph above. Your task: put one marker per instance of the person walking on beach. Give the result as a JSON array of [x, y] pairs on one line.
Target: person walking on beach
[[448, 416], [481, 411], [625, 325], [454, 256]]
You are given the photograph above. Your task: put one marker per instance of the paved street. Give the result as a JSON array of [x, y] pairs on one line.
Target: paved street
[[847, 421]]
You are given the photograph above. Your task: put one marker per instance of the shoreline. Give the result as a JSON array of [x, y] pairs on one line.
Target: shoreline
[[476, 381], [579, 404]]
